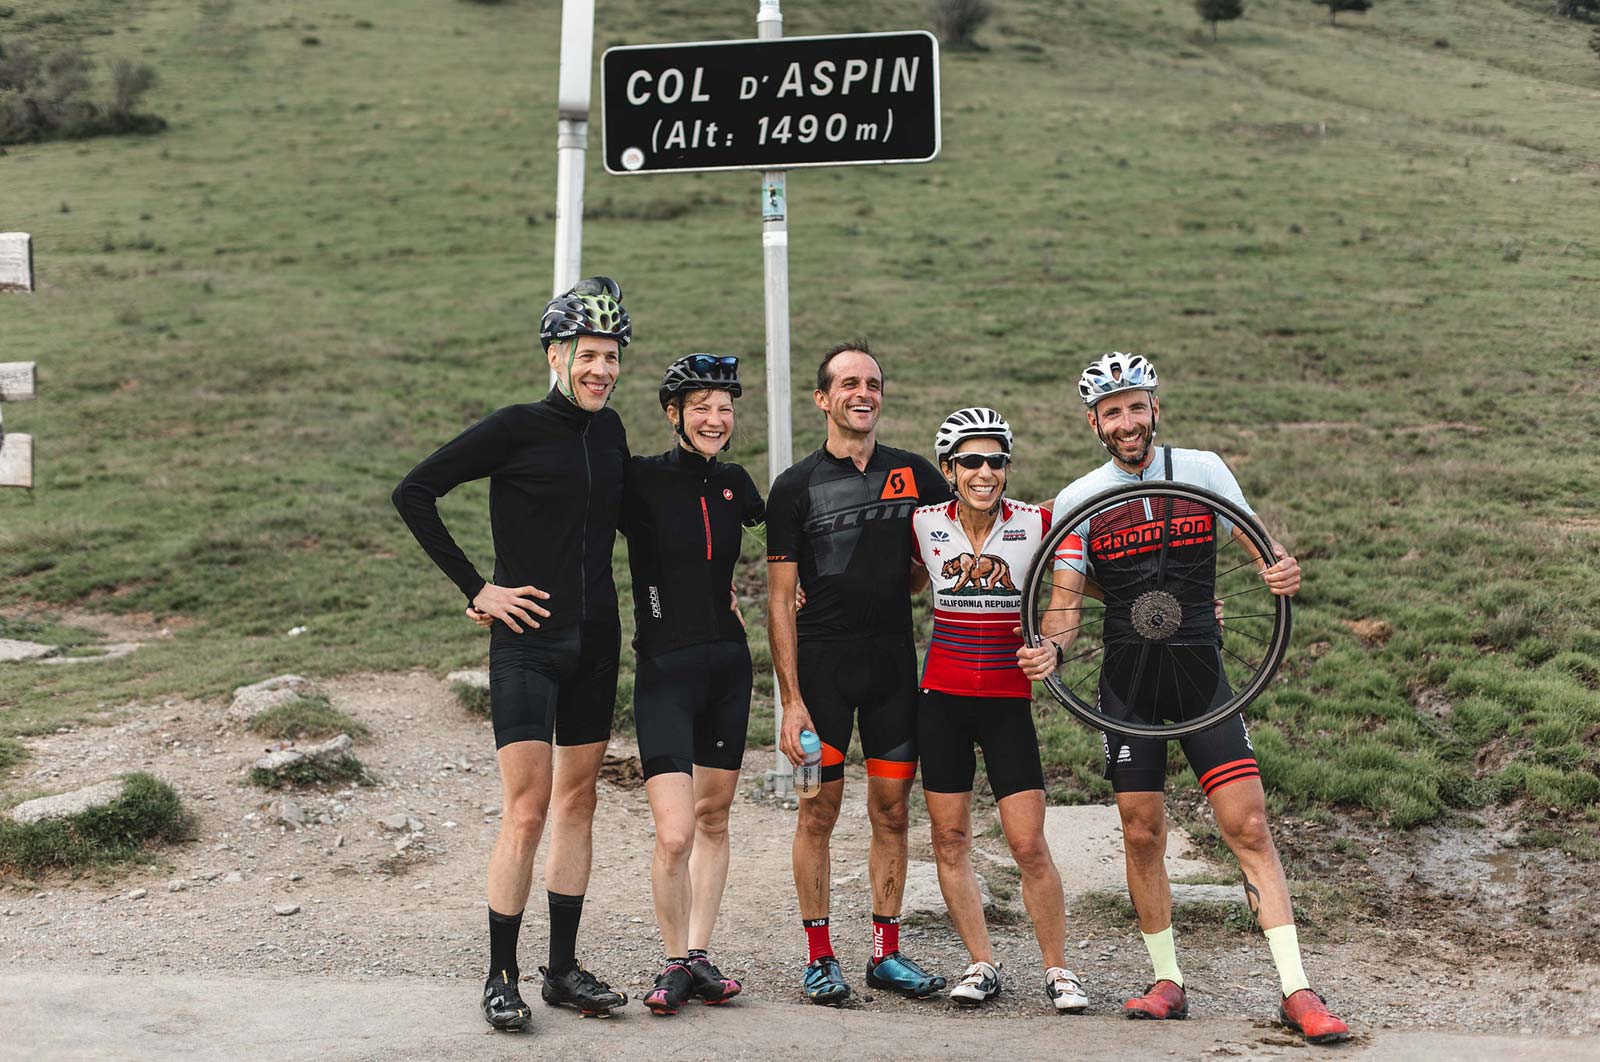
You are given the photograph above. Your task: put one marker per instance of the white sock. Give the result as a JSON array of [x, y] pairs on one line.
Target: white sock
[[1285, 945], [1164, 955]]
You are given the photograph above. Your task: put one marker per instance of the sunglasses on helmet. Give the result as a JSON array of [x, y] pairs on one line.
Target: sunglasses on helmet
[[708, 363], [972, 462]]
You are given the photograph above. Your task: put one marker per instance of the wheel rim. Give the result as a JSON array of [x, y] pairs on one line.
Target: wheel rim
[[1154, 651]]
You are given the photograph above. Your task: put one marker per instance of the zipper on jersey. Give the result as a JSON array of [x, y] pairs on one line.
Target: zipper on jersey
[[583, 550], [705, 518]]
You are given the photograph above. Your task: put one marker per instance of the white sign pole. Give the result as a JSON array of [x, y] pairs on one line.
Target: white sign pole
[[572, 141], [780, 442], [16, 377]]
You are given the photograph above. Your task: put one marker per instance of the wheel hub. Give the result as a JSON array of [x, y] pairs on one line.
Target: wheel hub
[[1156, 615]]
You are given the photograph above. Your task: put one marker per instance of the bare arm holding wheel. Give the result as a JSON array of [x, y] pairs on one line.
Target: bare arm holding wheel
[[1059, 626], [1283, 577]]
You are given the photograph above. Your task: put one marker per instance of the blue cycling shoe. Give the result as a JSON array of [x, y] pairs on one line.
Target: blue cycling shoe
[[897, 973], [824, 982]]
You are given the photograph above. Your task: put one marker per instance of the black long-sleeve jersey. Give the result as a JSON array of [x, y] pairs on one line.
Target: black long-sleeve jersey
[[850, 532], [555, 490], [682, 515]]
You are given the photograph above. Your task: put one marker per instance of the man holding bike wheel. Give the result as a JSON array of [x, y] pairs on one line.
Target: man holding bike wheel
[[1119, 393]]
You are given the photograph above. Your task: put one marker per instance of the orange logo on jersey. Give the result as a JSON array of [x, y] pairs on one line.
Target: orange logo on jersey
[[902, 483]]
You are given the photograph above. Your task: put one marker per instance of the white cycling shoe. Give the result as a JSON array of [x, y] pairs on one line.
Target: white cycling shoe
[[1065, 991], [979, 984]]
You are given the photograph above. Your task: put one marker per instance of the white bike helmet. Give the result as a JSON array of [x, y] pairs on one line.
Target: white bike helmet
[[1115, 372], [974, 422]]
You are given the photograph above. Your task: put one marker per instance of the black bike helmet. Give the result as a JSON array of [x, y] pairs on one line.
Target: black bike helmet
[[700, 372], [592, 308]]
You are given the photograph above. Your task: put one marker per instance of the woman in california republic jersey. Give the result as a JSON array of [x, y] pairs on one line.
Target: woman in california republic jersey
[[977, 549]]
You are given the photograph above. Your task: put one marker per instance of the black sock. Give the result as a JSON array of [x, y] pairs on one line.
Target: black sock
[[696, 953], [565, 911], [503, 931]]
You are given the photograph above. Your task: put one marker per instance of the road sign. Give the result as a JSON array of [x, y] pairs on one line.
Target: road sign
[[849, 99]]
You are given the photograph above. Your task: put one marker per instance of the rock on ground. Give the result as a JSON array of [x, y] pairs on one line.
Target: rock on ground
[[13, 649], [477, 679], [1086, 843], [270, 693], [328, 752], [922, 895], [63, 805]]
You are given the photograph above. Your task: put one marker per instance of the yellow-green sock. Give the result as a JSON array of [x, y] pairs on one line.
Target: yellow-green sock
[[1164, 955], [1285, 945]]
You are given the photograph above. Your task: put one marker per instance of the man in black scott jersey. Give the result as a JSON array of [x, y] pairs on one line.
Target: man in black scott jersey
[[555, 470], [684, 513], [1123, 545], [839, 524]]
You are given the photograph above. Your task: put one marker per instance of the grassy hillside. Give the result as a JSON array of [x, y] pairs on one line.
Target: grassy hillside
[[1367, 265]]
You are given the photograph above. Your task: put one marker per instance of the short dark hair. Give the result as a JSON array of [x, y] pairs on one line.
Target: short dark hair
[[825, 375]]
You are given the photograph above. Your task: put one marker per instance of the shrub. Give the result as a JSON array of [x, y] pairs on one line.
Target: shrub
[[147, 811], [47, 97], [956, 21]]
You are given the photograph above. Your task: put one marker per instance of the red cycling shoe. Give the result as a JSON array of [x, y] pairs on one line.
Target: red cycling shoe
[[1164, 999], [1308, 1015]]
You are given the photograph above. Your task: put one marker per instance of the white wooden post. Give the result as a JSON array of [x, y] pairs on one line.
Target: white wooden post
[[16, 261], [17, 378]]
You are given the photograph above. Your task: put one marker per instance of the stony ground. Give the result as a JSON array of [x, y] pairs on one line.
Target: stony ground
[[376, 901]]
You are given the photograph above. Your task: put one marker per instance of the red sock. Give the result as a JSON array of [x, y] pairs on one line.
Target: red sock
[[817, 942], [885, 935]]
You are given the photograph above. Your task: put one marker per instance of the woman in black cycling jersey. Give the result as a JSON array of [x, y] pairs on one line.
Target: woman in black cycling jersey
[[683, 513]]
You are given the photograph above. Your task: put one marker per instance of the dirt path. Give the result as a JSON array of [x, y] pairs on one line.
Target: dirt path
[[179, 1018], [401, 928]]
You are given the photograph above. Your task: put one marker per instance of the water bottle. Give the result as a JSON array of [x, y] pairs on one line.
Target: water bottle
[[808, 776]]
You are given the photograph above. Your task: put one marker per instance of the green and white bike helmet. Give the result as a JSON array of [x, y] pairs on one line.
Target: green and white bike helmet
[[592, 307]]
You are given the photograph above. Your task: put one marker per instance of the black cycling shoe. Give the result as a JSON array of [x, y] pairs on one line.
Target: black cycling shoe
[[709, 984], [580, 989], [502, 1004], [674, 985]]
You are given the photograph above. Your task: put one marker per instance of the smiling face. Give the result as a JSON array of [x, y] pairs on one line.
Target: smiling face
[[854, 398], [1125, 422], [707, 421], [978, 488], [592, 372]]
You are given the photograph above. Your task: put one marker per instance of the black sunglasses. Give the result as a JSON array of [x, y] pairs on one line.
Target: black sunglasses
[[998, 462], [707, 363]]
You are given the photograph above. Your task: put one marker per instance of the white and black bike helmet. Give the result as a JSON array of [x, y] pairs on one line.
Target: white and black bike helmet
[[1115, 372], [974, 422]]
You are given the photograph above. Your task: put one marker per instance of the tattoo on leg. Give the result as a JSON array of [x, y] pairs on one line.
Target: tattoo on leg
[[1252, 896]]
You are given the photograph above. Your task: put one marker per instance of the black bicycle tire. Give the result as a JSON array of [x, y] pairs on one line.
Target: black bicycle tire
[[1283, 623]]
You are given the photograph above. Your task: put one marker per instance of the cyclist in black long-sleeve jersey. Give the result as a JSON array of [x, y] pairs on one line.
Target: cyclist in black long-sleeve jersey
[[555, 470]]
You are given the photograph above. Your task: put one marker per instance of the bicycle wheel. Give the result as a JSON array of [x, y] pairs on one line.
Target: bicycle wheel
[[1151, 660]]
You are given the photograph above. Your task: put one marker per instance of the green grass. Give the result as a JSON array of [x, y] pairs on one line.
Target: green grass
[[148, 812], [475, 699], [307, 717], [1363, 263]]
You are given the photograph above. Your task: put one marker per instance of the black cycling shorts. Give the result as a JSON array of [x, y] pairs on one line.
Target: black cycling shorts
[[1179, 682], [691, 707], [561, 682], [873, 675], [948, 725]]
